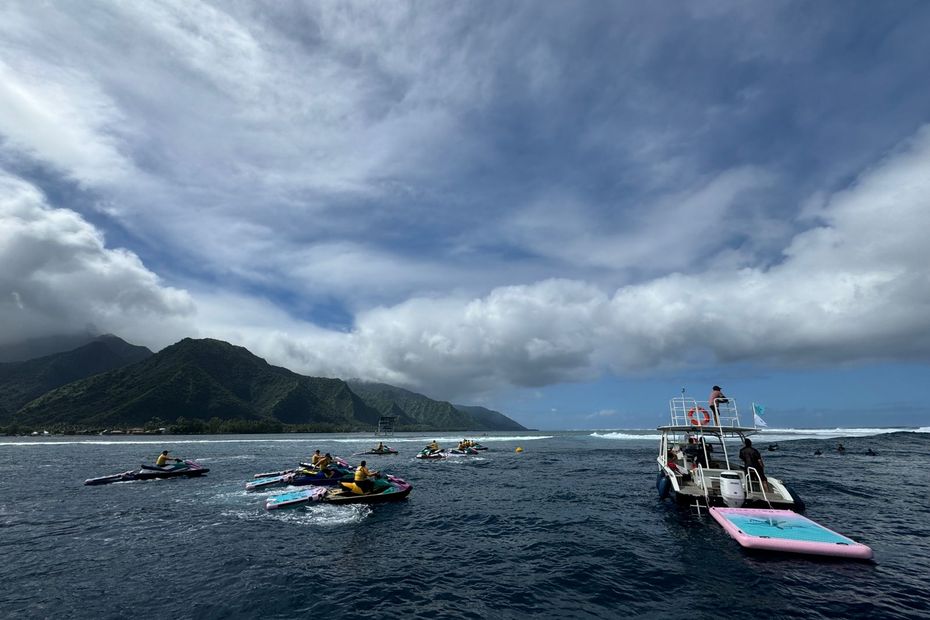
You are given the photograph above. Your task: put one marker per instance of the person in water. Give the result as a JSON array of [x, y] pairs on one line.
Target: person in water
[[363, 478], [315, 459], [818, 452], [869, 452], [163, 459], [840, 447], [716, 397], [751, 458]]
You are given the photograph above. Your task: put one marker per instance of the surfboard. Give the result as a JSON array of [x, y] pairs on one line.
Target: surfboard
[[785, 530], [261, 483], [294, 498]]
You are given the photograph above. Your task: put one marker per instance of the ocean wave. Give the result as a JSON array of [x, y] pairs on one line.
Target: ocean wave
[[619, 435], [826, 433], [163, 439], [776, 434]]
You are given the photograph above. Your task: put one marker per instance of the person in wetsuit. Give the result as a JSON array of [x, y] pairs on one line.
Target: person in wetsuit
[[751, 458]]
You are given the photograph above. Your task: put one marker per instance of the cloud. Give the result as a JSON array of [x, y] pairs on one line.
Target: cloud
[[853, 289], [494, 196], [58, 276]]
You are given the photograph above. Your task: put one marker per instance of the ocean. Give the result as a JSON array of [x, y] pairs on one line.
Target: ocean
[[572, 527]]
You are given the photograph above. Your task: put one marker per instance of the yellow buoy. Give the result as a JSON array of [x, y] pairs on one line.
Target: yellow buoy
[[519, 449]]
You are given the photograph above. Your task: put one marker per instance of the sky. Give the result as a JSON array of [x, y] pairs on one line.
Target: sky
[[567, 212]]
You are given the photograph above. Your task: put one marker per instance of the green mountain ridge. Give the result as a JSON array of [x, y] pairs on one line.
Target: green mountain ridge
[[417, 412], [214, 386], [24, 381]]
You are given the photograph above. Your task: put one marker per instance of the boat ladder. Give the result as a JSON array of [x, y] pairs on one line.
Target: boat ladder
[[749, 473]]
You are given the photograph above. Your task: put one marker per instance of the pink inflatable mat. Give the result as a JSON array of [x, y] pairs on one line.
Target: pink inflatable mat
[[785, 530]]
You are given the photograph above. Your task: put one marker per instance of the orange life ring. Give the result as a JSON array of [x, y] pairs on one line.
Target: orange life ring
[[705, 419]]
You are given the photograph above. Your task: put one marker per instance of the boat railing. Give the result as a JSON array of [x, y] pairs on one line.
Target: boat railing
[[687, 411]]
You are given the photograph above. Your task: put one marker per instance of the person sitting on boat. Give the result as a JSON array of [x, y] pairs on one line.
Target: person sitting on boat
[[163, 458], [433, 447], [694, 452], [716, 397], [752, 458], [363, 478], [464, 445], [380, 447], [671, 460], [315, 459]]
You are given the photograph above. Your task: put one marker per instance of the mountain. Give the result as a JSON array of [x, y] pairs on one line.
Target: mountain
[[21, 382], [200, 380], [46, 345], [488, 419], [208, 386], [418, 412]]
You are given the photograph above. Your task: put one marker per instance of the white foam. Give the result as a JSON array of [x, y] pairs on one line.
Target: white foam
[[625, 436], [778, 434], [168, 439]]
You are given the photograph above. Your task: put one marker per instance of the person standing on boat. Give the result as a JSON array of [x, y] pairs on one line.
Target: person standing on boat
[[751, 458], [716, 396]]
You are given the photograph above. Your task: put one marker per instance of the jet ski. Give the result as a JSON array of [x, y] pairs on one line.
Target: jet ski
[[385, 450], [386, 489], [469, 450], [302, 477], [426, 453], [185, 469]]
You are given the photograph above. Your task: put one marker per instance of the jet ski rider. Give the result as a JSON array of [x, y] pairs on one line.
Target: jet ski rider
[[363, 478], [162, 459]]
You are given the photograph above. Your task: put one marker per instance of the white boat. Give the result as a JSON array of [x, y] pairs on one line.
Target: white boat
[[699, 462]]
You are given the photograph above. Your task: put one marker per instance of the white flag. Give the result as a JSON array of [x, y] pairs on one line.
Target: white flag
[[757, 411]]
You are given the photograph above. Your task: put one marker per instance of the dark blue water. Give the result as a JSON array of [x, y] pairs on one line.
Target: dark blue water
[[570, 528]]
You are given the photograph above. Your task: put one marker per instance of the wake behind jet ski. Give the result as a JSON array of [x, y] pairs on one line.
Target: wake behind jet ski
[[180, 469]]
